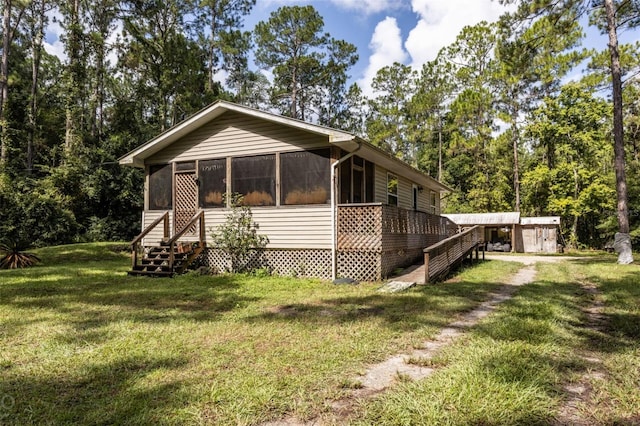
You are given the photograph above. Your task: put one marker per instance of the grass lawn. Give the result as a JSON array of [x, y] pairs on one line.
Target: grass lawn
[[81, 342], [514, 367]]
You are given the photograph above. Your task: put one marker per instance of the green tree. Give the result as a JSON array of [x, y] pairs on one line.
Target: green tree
[[471, 166], [530, 66], [387, 121], [576, 182], [427, 109], [218, 26], [610, 16], [165, 68], [306, 62], [10, 20]]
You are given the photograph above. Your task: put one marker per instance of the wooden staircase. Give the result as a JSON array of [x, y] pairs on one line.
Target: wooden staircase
[[171, 256]]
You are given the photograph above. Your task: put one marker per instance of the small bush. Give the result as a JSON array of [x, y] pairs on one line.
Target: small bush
[[238, 236]]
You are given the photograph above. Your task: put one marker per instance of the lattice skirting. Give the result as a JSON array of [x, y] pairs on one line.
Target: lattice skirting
[[359, 265], [295, 262]]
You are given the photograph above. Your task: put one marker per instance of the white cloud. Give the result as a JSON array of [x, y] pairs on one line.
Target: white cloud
[[54, 31], [386, 43], [441, 21], [52, 43], [368, 6]]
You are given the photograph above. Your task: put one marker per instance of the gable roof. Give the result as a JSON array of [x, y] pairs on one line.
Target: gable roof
[[346, 141]]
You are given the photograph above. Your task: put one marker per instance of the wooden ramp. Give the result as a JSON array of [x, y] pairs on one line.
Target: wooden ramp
[[442, 257]]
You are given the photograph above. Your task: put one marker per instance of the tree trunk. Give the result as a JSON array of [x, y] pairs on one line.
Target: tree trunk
[[439, 149], [4, 86], [516, 169], [37, 34], [293, 111], [73, 98], [625, 254]]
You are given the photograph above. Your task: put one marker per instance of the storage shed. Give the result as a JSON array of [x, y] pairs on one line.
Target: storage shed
[[538, 235], [507, 231]]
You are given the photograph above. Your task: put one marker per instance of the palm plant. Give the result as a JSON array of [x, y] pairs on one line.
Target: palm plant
[[15, 257]]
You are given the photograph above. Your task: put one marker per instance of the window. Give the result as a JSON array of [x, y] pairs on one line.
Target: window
[[212, 178], [160, 187], [392, 189], [305, 177], [433, 202], [255, 179]]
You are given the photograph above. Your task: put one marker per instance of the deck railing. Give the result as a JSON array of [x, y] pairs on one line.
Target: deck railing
[[136, 244], [440, 257], [197, 219], [373, 240], [170, 242]]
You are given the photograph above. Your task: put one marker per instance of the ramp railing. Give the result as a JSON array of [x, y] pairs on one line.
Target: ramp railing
[[442, 256]]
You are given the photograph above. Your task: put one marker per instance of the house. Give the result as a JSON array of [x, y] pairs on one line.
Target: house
[[331, 204], [507, 231]]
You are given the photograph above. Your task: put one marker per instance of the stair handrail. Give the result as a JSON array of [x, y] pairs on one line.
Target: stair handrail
[[465, 241], [198, 217], [136, 241]]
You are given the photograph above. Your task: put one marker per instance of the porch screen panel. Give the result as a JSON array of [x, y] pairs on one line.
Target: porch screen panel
[[160, 187], [255, 179], [305, 177], [212, 177]]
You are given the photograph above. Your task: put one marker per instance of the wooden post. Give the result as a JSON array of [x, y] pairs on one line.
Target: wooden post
[[134, 256], [171, 255], [201, 224], [426, 267], [166, 226]]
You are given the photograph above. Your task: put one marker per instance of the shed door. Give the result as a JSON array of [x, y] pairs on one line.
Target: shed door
[[186, 199]]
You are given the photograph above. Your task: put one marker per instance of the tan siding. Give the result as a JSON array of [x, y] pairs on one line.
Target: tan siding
[[405, 190], [290, 227], [381, 185], [154, 237], [423, 200], [405, 197], [233, 134]]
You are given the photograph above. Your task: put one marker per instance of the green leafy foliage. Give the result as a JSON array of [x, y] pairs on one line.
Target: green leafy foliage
[[31, 218], [238, 237], [309, 66]]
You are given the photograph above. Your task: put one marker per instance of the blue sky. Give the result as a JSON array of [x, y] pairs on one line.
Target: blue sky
[[385, 31]]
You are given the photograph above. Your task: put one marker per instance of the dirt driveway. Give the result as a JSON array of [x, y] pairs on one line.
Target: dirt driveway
[[529, 259]]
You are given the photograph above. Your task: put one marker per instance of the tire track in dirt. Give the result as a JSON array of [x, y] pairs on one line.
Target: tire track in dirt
[[578, 393]]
